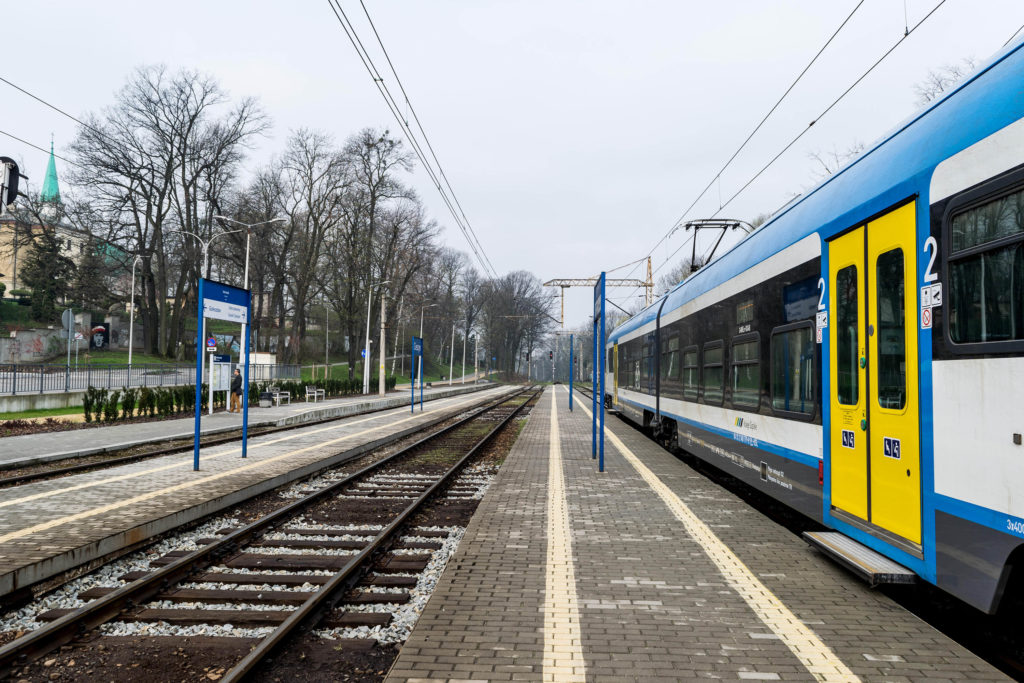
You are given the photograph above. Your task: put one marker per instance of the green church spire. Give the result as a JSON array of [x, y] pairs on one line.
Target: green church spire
[[51, 190]]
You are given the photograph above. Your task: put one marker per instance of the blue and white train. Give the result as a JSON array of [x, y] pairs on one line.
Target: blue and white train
[[861, 356]]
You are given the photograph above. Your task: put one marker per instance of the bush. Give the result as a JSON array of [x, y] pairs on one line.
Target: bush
[[93, 402], [128, 400], [110, 409], [146, 402]]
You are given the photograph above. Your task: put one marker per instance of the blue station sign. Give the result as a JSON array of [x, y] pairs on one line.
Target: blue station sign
[[224, 302]]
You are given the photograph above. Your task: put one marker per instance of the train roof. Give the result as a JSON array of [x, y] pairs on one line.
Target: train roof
[[896, 167]]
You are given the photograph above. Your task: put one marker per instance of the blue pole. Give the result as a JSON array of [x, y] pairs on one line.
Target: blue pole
[[421, 376], [600, 405], [245, 378], [200, 350], [570, 373], [412, 386], [593, 396]]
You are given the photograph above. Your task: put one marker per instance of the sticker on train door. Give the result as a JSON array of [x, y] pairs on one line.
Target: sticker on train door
[[848, 438], [891, 448]]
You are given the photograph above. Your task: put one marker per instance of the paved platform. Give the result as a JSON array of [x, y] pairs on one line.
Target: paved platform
[[647, 572], [52, 526], [31, 449]]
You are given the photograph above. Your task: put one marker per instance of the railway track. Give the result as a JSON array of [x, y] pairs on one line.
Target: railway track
[[344, 546], [86, 463]]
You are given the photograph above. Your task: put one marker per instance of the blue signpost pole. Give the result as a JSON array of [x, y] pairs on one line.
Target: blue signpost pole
[[571, 366], [200, 351], [600, 403], [593, 393], [245, 379], [412, 386]]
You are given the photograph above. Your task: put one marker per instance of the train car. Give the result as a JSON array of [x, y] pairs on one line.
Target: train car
[[861, 356]]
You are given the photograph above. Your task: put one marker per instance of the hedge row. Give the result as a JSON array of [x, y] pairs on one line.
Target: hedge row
[[101, 405]]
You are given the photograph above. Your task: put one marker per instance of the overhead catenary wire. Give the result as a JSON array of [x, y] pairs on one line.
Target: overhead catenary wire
[[760, 124], [829, 107], [410, 135], [818, 118], [426, 139], [1013, 36], [41, 149]]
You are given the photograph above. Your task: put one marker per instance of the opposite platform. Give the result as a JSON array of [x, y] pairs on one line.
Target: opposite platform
[[649, 571], [52, 526], [30, 449]]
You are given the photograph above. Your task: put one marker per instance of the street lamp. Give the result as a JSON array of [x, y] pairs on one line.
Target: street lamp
[[131, 321], [420, 372], [245, 278], [199, 342], [366, 349]]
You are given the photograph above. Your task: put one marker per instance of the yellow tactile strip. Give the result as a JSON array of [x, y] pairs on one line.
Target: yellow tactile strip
[[813, 653], [563, 651]]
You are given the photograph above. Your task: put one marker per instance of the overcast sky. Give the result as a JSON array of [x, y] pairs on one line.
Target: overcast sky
[[574, 133]]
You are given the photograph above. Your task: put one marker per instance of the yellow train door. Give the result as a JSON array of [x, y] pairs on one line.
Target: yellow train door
[[874, 431], [848, 362], [893, 413], [615, 373]]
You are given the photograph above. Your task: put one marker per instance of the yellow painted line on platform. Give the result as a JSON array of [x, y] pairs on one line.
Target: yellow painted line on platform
[[812, 652], [562, 659], [213, 456]]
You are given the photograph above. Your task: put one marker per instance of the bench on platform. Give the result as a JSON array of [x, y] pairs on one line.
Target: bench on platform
[[315, 393], [278, 395]]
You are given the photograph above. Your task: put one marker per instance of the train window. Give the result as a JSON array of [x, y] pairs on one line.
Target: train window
[[713, 374], [745, 312], [846, 321], [986, 272], [793, 370], [690, 373], [892, 331], [670, 360], [746, 371]]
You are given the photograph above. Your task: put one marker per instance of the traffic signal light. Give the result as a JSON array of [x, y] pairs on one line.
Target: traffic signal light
[[551, 355], [9, 176]]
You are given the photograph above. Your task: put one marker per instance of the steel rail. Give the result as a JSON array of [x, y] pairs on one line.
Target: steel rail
[[328, 596], [168, 450], [97, 612]]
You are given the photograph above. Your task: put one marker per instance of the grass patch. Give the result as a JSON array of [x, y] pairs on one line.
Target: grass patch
[[42, 412], [119, 357]]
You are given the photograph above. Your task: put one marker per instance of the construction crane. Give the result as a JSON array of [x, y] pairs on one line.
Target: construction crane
[[565, 283]]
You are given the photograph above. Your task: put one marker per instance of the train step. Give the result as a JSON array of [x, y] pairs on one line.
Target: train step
[[869, 565]]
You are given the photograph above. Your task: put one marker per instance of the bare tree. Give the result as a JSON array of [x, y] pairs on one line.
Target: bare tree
[[831, 161], [152, 161], [943, 79]]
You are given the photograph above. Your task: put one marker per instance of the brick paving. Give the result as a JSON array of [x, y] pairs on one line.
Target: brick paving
[[28, 449], [51, 526], [653, 605]]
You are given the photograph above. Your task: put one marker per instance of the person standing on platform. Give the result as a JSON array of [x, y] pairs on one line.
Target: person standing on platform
[[236, 393]]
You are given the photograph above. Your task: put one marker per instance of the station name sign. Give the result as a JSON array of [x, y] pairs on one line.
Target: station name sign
[[224, 302]]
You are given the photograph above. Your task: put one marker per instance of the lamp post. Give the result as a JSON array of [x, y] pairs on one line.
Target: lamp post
[[206, 263], [245, 278], [420, 369], [464, 358], [451, 362], [131, 323], [366, 349]]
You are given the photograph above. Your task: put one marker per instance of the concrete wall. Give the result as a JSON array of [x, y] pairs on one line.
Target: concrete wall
[[15, 404], [31, 346]]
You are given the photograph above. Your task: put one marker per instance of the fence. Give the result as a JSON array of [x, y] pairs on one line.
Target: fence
[[52, 378]]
